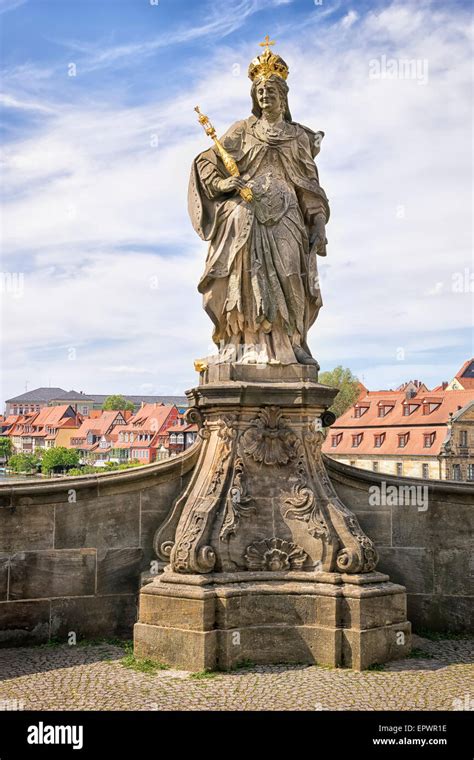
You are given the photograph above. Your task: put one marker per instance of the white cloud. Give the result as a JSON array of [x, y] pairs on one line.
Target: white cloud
[[90, 200], [349, 19], [10, 5]]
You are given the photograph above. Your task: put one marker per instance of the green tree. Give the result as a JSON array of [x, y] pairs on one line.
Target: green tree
[[117, 403], [348, 385], [6, 447], [59, 458], [24, 462]]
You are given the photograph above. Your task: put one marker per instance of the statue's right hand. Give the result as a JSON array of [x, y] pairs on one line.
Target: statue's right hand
[[230, 184]]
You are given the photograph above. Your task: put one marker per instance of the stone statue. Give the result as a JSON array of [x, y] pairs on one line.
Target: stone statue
[[260, 284], [260, 556]]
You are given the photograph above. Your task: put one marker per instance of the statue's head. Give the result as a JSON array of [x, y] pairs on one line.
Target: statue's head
[[268, 73], [270, 95]]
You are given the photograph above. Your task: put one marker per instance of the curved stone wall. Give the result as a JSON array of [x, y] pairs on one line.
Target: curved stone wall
[[425, 544], [72, 549]]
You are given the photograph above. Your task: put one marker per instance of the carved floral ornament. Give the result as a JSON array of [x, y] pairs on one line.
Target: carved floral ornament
[[269, 439], [275, 554]]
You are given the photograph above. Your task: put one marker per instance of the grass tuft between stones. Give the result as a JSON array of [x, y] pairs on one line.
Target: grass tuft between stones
[[376, 667], [141, 666], [204, 674]]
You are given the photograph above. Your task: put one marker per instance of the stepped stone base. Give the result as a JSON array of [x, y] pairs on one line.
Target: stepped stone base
[[219, 621]]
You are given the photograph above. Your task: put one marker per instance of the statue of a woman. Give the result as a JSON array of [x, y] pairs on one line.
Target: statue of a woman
[[260, 285]]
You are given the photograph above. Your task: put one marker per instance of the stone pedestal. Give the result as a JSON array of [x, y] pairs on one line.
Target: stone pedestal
[[263, 562], [336, 621]]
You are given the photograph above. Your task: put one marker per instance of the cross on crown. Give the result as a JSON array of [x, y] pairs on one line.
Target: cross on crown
[[267, 42]]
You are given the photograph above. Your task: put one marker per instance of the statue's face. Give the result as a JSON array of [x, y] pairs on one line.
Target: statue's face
[[268, 97]]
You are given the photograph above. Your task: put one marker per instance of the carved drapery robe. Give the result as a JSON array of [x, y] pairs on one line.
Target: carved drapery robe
[[260, 284]]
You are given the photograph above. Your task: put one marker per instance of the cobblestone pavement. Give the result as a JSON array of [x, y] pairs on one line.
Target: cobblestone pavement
[[93, 678]]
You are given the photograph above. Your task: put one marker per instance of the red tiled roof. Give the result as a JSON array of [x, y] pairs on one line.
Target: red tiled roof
[[158, 413], [466, 382], [11, 419], [390, 446], [396, 423], [182, 429], [450, 402], [97, 425]]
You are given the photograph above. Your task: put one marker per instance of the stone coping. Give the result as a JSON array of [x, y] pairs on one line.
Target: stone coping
[[297, 587], [190, 579], [364, 477], [164, 470]]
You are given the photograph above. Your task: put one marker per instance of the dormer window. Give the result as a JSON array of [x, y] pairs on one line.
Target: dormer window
[[335, 440], [360, 409], [384, 409], [378, 440], [356, 440], [403, 440], [428, 440], [430, 406]]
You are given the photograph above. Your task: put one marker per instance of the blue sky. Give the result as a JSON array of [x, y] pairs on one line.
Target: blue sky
[[99, 260]]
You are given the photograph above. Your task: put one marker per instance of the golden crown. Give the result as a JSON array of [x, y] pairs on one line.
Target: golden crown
[[267, 64]]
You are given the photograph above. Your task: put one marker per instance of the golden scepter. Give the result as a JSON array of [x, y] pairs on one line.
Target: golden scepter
[[229, 162]]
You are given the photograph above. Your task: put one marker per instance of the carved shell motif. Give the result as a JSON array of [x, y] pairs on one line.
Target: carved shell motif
[[269, 439], [275, 554]]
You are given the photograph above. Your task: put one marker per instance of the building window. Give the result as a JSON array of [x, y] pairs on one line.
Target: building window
[[335, 440], [375, 466], [428, 439], [352, 463], [402, 440], [356, 440], [470, 472], [399, 469], [425, 471], [173, 438], [378, 440], [85, 410], [180, 438], [463, 437], [457, 472]]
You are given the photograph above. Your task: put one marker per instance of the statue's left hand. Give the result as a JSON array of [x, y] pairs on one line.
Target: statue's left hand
[[317, 237]]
